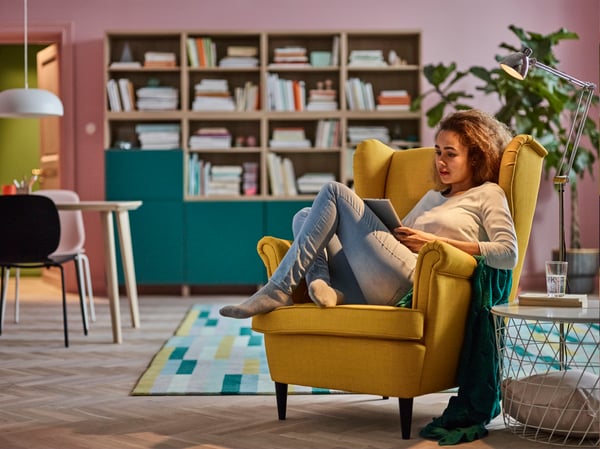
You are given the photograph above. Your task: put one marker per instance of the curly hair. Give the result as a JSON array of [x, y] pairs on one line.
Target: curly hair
[[484, 136]]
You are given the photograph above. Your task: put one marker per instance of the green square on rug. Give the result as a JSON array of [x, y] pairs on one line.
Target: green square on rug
[[212, 355]]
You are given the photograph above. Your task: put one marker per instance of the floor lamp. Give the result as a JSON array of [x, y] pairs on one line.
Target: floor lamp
[[517, 65]]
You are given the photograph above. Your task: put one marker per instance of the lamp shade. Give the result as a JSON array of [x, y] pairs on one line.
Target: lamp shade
[[517, 64], [34, 103]]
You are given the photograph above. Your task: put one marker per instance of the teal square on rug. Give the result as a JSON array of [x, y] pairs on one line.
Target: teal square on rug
[[211, 355]]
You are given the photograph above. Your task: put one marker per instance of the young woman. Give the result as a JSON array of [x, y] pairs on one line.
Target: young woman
[[468, 210]]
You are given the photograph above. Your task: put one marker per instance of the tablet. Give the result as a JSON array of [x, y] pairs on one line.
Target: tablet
[[382, 207]]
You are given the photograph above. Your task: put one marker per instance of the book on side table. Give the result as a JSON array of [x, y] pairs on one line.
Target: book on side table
[[542, 299]]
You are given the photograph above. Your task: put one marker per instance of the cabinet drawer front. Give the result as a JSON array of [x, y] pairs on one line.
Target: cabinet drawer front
[[141, 175]]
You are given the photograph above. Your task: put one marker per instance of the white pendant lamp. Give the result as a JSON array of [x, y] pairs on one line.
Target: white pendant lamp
[[28, 102]]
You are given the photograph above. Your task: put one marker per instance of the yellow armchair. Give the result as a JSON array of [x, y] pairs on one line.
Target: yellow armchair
[[382, 350]]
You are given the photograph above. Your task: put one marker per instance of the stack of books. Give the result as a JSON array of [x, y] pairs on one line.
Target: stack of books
[[359, 95], [206, 179], [247, 98], [366, 58], [213, 95], [282, 178], [289, 137], [224, 180], [290, 57], [159, 59], [158, 136], [205, 138], [202, 52], [240, 56], [322, 98], [393, 100], [328, 134], [310, 183], [157, 98], [285, 95], [120, 95], [357, 134]]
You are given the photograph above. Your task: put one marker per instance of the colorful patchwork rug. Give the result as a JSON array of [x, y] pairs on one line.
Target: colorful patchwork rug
[[212, 355]]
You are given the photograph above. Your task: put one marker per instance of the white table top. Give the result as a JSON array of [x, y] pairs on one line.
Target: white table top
[[589, 314], [105, 206]]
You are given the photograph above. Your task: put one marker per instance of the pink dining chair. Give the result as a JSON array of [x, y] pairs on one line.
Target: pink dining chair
[[72, 240]]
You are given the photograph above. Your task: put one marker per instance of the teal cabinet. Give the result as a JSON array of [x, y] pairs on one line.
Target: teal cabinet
[[157, 239], [178, 242], [144, 175], [220, 244], [157, 230], [279, 215]]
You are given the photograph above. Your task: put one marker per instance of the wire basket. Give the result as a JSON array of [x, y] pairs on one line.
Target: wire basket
[[550, 380]]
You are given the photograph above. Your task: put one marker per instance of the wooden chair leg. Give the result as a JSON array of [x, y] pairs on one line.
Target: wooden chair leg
[[406, 409], [281, 391]]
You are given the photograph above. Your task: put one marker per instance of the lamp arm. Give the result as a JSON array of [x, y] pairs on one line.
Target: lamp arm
[[576, 131], [585, 84], [578, 123]]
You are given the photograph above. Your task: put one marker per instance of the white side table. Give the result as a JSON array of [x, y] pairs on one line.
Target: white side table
[[544, 351]]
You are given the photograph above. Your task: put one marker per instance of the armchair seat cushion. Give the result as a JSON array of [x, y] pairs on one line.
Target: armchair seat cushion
[[365, 321]]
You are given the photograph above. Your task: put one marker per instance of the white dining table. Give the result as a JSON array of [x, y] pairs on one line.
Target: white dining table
[[109, 210]]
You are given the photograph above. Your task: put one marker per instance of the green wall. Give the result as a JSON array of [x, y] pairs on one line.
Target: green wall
[[19, 138]]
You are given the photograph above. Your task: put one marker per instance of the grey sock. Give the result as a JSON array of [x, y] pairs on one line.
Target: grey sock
[[322, 294], [264, 300]]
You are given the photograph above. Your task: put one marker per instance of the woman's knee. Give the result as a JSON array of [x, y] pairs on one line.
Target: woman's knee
[[299, 219]]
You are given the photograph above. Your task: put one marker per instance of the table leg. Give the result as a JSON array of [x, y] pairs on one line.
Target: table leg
[[111, 274], [128, 265]]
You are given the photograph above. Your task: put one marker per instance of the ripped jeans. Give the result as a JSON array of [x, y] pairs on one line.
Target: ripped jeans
[[341, 241]]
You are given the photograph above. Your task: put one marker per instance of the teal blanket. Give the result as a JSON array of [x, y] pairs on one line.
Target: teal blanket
[[478, 399]]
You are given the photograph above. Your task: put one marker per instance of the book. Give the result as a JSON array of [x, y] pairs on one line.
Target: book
[[127, 96], [383, 208], [242, 50], [114, 99], [543, 300]]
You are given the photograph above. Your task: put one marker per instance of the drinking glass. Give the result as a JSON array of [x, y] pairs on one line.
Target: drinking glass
[[556, 278]]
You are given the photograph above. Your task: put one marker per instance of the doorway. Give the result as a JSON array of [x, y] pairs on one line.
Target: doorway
[[39, 37], [16, 162]]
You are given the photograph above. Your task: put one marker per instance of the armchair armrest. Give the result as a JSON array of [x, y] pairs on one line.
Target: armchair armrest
[[271, 250], [442, 291]]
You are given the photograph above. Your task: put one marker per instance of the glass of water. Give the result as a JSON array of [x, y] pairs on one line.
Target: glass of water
[[556, 278]]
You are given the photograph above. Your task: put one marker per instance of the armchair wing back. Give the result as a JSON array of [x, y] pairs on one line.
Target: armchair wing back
[[405, 176], [382, 350]]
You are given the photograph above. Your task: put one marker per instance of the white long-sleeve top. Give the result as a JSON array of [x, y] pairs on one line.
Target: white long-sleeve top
[[480, 215]]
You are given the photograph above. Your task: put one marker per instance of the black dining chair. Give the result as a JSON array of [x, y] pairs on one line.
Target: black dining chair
[[29, 234]]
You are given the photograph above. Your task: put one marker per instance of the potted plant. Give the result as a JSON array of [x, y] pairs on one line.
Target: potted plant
[[540, 105]]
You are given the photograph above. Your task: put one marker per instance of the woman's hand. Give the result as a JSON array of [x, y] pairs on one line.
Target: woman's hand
[[413, 239]]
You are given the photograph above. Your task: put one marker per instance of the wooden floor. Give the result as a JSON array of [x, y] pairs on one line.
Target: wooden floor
[[78, 397]]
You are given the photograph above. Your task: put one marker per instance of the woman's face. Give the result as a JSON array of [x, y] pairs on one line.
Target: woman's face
[[452, 162]]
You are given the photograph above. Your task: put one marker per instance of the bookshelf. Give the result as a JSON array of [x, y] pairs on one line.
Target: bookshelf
[[218, 106], [269, 81]]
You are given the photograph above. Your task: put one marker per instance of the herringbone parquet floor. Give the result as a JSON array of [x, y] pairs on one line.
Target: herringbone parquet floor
[[78, 398]]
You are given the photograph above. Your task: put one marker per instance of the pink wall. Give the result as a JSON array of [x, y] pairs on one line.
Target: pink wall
[[465, 31]]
